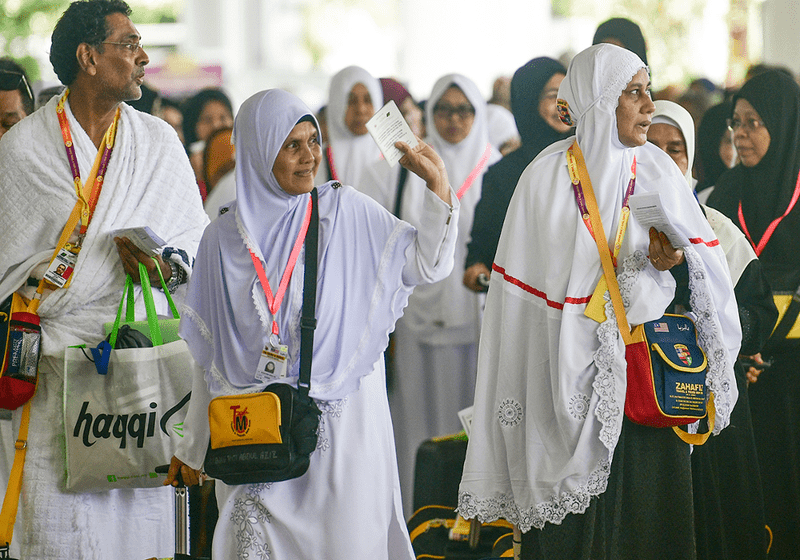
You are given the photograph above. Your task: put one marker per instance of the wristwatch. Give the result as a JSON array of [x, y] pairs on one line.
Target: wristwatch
[[177, 277]]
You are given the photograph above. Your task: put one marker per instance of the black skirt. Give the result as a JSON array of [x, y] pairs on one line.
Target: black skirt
[[645, 513]]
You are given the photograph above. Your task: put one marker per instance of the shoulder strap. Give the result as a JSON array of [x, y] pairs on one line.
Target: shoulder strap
[[602, 248], [401, 184], [9, 513], [308, 320]]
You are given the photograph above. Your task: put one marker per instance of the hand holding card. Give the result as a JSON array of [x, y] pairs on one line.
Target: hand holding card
[[387, 127]]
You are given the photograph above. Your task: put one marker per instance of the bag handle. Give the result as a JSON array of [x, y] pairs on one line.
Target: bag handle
[[308, 320], [613, 287], [127, 301]]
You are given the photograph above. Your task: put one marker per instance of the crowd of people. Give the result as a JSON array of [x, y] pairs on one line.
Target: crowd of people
[[469, 275]]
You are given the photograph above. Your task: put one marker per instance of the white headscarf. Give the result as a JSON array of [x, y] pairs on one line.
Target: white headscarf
[[551, 386], [502, 126], [351, 153], [669, 112], [449, 302], [360, 291]]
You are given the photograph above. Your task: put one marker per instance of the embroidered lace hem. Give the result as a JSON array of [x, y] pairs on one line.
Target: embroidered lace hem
[[552, 511]]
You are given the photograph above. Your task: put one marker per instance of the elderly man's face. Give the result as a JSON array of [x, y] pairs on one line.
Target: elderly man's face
[[120, 65], [11, 109], [635, 111]]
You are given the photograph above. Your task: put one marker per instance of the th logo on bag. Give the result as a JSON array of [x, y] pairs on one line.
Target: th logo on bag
[[240, 424]]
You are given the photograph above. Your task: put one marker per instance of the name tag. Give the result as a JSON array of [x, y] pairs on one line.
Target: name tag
[[60, 270], [272, 365]]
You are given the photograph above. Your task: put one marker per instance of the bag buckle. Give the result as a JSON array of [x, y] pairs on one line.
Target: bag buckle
[[308, 323], [19, 445]]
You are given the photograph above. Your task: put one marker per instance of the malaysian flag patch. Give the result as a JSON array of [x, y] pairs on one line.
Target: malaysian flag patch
[[660, 327]]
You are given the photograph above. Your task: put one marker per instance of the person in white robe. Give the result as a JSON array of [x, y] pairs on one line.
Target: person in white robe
[[436, 340], [148, 182], [353, 98], [549, 401], [347, 505]]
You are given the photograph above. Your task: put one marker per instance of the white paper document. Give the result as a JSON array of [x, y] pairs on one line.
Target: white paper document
[[143, 237], [388, 126], [649, 212]]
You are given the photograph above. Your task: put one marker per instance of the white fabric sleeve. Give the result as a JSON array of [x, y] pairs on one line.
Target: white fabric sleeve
[[431, 257], [196, 433]]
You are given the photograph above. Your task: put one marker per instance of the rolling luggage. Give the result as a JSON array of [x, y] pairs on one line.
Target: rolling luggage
[[181, 519], [437, 470]]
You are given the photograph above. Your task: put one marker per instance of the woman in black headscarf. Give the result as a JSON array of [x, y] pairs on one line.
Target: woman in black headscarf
[[760, 195], [715, 151], [623, 33], [534, 89]]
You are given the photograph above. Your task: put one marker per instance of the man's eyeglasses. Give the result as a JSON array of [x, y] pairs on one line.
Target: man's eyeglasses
[[10, 81], [133, 47], [748, 124], [447, 111]]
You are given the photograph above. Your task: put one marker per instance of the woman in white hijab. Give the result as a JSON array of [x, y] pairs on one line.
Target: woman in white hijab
[[728, 498], [353, 98], [436, 341], [550, 448], [368, 264]]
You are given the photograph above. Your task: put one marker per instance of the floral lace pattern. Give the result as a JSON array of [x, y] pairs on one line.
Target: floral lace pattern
[[553, 511], [709, 334], [248, 513], [509, 413], [331, 410]]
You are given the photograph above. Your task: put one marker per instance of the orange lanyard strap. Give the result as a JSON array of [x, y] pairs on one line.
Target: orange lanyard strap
[[774, 224], [580, 198], [274, 302], [475, 172], [95, 182]]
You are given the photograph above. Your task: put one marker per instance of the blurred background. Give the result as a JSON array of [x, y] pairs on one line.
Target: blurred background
[[245, 46]]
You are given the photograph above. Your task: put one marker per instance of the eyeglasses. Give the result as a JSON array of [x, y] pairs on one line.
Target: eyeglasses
[[133, 47], [11, 80], [447, 111], [748, 124]]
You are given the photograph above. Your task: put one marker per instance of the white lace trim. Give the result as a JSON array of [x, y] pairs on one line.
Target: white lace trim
[[331, 410], [617, 81], [710, 338], [553, 511], [248, 514], [205, 332]]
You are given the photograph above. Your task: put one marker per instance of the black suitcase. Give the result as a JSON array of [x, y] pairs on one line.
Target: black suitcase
[[430, 528], [437, 471]]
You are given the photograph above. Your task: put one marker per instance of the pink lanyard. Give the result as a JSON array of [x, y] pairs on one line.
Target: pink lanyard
[[329, 153], [274, 303], [771, 229], [475, 172]]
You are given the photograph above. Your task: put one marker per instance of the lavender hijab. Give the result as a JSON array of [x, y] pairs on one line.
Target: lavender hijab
[[360, 291]]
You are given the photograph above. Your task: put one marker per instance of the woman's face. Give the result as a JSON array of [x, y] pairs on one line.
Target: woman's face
[[215, 115], [635, 111], [359, 110], [414, 117], [298, 159], [750, 134], [547, 104], [453, 115], [671, 141]]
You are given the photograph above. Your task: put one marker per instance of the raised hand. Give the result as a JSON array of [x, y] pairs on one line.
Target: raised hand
[[424, 162]]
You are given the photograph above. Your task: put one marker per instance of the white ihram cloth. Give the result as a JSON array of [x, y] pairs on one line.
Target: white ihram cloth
[[148, 182], [551, 385], [351, 153], [368, 264]]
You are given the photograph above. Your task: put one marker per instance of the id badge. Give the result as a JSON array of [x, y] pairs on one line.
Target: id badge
[[272, 365], [60, 270]]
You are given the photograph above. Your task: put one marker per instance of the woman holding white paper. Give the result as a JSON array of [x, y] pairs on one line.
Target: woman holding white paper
[[347, 505], [437, 337]]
